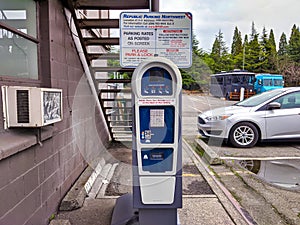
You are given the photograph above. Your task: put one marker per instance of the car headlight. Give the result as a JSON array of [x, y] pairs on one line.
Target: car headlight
[[219, 117]]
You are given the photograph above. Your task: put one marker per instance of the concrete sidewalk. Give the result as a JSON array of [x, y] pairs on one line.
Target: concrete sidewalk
[[203, 200]]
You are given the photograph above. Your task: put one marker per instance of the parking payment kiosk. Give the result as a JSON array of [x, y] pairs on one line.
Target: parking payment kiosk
[[157, 146]]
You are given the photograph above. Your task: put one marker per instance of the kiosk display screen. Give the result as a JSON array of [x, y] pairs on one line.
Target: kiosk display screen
[[156, 76], [157, 81]]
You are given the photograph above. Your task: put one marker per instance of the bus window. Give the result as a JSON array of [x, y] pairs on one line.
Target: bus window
[[220, 80], [213, 80], [245, 79], [251, 79], [277, 82], [267, 82], [235, 80], [228, 80]]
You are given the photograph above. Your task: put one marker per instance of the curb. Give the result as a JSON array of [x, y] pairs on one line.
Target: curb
[[60, 222], [84, 186], [210, 156], [229, 203], [74, 199], [108, 176]]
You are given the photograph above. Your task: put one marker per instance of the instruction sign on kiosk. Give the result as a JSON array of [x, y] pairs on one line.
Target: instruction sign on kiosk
[[149, 34], [157, 151]]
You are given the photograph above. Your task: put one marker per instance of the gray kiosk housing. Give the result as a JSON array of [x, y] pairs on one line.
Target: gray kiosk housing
[[157, 145]]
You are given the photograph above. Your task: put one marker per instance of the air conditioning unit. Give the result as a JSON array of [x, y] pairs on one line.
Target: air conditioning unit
[[31, 106]]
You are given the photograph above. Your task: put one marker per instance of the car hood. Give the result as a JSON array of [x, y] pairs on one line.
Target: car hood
[[226, 110]]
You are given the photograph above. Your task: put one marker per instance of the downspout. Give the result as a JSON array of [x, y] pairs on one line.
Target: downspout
[[154, 5], [84, 62]]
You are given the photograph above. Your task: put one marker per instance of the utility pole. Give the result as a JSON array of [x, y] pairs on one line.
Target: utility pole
[[244, 58]]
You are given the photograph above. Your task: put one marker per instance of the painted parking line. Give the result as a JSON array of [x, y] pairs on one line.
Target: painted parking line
[[258, 158], [191, 175]]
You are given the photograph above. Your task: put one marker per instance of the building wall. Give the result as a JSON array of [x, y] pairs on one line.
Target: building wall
[[34, 176]]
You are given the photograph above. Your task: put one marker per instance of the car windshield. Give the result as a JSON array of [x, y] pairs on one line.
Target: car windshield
[[259, 98]]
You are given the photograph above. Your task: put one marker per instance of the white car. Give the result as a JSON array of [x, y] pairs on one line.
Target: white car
[[270, 115]]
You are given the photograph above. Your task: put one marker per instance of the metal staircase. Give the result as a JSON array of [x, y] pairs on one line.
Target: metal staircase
[[93, 24]]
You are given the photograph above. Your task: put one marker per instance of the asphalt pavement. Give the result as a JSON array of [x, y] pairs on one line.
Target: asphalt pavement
[[212, 194], [204, 202]]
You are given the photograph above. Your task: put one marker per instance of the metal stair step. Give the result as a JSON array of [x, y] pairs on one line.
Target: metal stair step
[[97, 56], [128, 140], [116, 108], [111, 81], [115, 91], [119, 121], [123, 136], [98, 23], [121, 126], [112, 69], [122, 131], [119, 114], [115, 99], [111, 4], [101, 41]]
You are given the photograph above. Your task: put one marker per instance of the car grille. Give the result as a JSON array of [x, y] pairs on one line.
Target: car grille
[[200, 120], [202, 133], [214, 132]]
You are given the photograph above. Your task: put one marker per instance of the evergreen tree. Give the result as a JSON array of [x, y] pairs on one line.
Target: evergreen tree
[[216, 55], [268, 54], [253, 32], [272, 43], [252, 56], [272, 53], [245, 50], [216, 51], [237, 49], [264, 53], [264, 38], [246, 41], [237, 45], [195, 46], [197, 76], [283, 46], [220, 54], [294, 44]]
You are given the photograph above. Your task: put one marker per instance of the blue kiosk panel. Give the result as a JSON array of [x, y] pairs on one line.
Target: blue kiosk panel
[[157, 124], [157, 159], [156, 81]]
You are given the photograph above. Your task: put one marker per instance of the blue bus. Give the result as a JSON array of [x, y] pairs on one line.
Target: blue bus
[[266, 82], [229, 84]]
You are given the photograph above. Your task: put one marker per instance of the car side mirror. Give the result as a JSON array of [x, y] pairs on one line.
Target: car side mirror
[[274, 105]]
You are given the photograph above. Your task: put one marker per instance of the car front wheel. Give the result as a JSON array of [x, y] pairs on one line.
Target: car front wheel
[[243, 135]]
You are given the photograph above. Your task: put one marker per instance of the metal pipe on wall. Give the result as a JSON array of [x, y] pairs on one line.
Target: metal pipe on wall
[[154, 5]]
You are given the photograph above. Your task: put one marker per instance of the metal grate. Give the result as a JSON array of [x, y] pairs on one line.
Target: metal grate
[[23, 106]]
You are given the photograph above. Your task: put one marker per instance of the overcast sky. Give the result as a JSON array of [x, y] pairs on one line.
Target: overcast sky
[[210, 16]]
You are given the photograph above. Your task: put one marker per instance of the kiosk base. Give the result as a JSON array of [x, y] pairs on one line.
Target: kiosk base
[[125, 214], [158, 217]]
